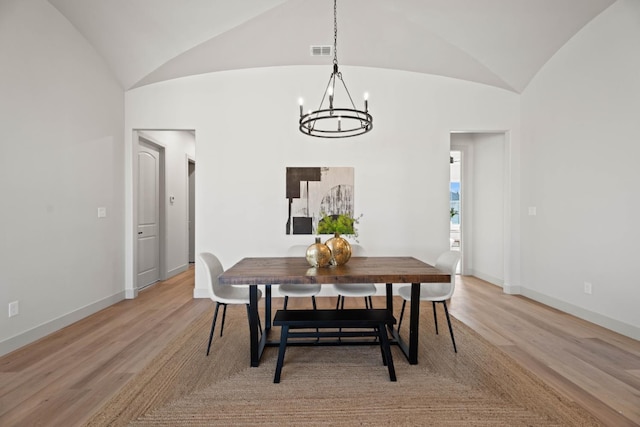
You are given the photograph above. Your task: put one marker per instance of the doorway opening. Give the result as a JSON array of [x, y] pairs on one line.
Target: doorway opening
[[163, 208], [455, 203], [480, 180]]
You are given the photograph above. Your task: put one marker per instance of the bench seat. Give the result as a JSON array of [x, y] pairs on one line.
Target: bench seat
[[375, 320]]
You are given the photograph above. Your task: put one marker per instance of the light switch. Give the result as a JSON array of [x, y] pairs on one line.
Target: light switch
[[102, 212], [532, 211]]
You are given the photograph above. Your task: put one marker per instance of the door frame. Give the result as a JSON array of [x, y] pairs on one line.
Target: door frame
[[139, 137], [466, 232], [466, 201], [466, 152], [191, 208]]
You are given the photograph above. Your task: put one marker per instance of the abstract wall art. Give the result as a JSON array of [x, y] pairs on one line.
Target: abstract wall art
[[312, 192]]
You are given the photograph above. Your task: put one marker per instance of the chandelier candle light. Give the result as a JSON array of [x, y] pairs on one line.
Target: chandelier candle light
[[331, 121]]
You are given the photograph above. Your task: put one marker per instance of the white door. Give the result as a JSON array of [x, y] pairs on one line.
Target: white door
[[148, 214]]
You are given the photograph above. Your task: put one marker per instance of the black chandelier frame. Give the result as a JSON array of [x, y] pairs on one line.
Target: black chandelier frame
[[347, 121]]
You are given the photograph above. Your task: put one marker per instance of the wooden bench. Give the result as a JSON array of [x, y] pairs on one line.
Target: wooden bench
[[375, 320]]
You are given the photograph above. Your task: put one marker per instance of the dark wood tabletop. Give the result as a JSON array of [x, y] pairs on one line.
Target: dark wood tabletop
[[282, 270]]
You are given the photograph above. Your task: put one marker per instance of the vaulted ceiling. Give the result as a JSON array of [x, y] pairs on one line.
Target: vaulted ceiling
[[502, 43]]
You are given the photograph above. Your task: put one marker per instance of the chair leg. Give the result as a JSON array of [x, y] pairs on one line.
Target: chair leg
[[435, 317], [213, 326], [286, 301], [315, 307], [404, 303], [224, 316], [368, 304], [340, 298], [450, 328]]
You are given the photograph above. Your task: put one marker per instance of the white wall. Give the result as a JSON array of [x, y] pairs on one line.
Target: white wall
[[580, 167], [246, 123], [179, 146], [61, 157], [488, 209]]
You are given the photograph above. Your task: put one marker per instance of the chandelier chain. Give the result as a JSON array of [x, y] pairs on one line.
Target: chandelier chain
[[335, 32]]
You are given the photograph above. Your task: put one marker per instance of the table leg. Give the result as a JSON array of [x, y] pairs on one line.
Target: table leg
[[267, 307], [253, 325], [413, 325], [389, 297]]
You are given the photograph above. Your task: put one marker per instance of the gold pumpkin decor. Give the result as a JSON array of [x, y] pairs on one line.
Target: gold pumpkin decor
[[318, 254], [340, 249]]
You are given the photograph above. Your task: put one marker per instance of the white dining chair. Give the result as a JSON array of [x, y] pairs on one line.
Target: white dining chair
[[436, 292], [365, 290], [223, 295], [299, 289]]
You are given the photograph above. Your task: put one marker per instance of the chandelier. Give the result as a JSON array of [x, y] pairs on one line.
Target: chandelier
[[329, 121]]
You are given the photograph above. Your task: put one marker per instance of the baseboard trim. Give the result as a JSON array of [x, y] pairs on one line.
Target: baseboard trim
[[177, 270], [41, 331], [201, 293], [130, 293], [598, 319], [511, 289], [584, 314], [487, 278]]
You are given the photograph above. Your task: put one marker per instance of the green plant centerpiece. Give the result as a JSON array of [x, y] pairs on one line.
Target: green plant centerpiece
[[342, 224], [338, 225]]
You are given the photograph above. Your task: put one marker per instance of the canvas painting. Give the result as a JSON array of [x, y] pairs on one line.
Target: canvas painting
[[313, 192]]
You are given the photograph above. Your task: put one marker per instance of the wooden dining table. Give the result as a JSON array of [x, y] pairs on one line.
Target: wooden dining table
[[392, 271]]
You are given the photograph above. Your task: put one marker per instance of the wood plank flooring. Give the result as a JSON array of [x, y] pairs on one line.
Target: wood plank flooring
[[63, 378], [589, 364]]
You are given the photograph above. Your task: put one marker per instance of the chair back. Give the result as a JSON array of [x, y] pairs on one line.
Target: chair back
[[357, 250], [213, 268], [448, 262], [298, 251]]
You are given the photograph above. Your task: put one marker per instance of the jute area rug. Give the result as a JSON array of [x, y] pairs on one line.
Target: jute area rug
[[346, 385]]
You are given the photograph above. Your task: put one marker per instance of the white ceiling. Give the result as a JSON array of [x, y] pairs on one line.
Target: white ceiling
[[502, 43]]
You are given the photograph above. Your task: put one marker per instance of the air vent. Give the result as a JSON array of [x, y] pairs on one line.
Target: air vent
[[321, 50]]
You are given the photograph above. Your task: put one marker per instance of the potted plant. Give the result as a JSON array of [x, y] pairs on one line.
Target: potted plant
[[338, 225], [342, 224]]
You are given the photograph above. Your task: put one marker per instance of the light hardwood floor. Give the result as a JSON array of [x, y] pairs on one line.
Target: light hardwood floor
[[62, 379]]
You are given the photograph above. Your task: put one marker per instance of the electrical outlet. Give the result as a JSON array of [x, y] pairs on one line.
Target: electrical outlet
[[14, 308], [588, 288]]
